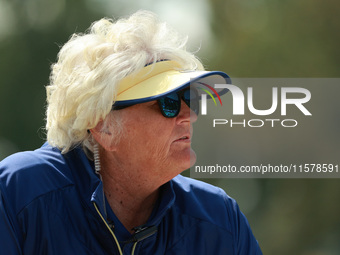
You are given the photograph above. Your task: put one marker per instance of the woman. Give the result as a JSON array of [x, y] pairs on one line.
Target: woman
[[121, 104]]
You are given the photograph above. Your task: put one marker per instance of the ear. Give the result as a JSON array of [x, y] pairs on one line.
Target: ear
[[103, 137]]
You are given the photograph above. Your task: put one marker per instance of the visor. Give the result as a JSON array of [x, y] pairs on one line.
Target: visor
[[157, 80]]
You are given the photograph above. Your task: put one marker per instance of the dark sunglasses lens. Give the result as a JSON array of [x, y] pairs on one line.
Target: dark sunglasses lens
[[170, 105], [190, 97]]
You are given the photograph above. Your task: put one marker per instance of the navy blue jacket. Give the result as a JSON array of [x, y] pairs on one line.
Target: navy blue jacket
[[48, 206]]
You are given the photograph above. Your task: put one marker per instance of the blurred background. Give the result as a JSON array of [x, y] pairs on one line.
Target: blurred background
[[245, 38]]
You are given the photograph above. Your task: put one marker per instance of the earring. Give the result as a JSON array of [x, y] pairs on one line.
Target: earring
[[96, 158]]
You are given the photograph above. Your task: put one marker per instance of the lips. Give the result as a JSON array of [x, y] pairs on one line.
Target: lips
[[184, 138]]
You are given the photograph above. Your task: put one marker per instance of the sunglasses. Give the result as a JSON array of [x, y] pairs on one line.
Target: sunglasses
[[170, 105]]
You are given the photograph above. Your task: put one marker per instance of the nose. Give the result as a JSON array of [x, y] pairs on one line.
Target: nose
[[186, 114]]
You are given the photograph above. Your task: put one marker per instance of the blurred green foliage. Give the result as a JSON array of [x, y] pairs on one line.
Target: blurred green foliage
[[277, 38], [249, 38]]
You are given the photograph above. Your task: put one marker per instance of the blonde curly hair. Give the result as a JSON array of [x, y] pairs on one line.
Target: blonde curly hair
[[84, 80]]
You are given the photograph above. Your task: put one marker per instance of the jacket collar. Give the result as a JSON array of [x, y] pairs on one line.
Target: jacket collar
[[91, 188]]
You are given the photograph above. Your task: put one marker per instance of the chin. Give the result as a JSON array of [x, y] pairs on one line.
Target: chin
[[192, 158], [183, 160]]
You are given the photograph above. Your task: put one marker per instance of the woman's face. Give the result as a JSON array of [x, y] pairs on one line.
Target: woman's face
[[155, 144]]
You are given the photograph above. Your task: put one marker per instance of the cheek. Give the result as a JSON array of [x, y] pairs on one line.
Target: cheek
[[153, 137], [148, 135], [154, 146], [156, 142]]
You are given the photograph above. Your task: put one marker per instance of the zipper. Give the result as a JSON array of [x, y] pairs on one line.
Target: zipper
[[113, 234]]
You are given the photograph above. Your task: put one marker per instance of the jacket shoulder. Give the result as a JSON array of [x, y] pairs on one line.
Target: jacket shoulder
[[27, 175], [204, 201]]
